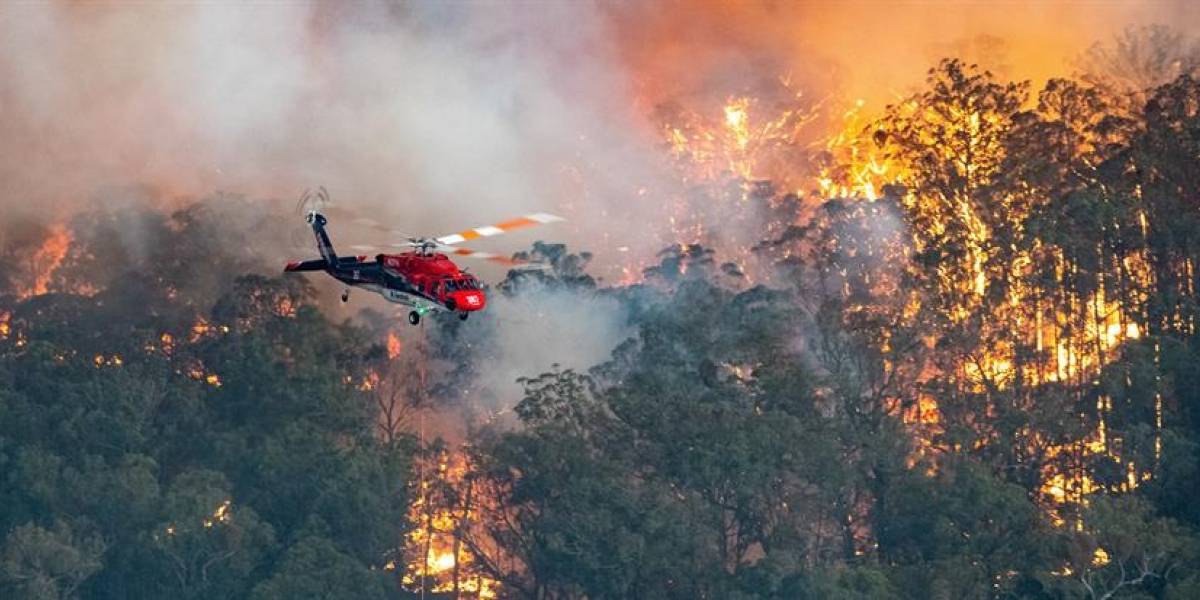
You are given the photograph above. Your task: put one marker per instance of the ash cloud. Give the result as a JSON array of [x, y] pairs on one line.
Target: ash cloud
[[436, 116], [540, 328], [431, 117]]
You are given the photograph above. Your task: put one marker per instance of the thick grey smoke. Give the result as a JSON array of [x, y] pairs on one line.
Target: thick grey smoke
[[432, 117], [435, 116], [540, 328], [429, 117]]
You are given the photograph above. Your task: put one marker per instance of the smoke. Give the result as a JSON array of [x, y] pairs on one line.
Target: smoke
[[437, 116], [433, 117], [539, 328], [864, 49]]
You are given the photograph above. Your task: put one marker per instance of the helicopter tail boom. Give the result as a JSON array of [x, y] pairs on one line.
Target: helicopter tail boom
[[320, 264], [317, 264], [317, 220]]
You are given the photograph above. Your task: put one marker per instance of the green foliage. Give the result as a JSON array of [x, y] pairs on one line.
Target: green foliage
[[549, 265], [314, 569], [176, 484], [208, 542], [48, 563], [851, 583], [962, 533], [1125, 549]]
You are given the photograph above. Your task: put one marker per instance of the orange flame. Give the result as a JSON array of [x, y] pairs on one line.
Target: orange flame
[[741, 144], [46, 260], [441, 562], [393, 345]]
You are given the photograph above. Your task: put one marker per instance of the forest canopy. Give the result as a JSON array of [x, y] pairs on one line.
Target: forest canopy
[[979, 382]]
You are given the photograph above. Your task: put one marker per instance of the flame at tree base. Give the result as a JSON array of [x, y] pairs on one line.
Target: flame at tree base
[[441, 561]]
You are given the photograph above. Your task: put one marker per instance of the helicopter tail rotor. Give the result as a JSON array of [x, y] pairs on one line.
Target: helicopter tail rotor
[[313, 202]]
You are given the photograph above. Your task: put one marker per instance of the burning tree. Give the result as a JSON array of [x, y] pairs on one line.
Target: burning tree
[[972, 375], [444, 543]]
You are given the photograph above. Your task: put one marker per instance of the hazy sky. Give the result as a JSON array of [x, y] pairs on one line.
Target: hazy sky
[[436, 116]]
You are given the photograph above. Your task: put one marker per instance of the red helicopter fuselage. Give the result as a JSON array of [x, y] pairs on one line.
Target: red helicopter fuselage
[[436, 277]]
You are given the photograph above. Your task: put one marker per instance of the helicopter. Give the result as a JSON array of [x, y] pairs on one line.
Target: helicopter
[[424, 278]]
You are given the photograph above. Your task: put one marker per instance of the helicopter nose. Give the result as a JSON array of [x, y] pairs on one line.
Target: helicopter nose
[[470, 300]]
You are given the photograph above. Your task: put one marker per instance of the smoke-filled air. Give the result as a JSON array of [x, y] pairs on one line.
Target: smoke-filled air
[[570, 300]]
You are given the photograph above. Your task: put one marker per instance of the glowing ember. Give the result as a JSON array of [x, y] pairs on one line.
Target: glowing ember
[[220, 515], [393, 345], [369, 382], [202, 328], [113, 360], [197, 372]]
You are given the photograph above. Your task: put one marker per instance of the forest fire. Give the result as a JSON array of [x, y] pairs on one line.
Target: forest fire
[[45, 260], [902, 339], [856, 162], [857, 167], [440, 519]]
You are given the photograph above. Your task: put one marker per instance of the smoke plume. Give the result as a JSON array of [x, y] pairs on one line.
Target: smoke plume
[[434, 116]]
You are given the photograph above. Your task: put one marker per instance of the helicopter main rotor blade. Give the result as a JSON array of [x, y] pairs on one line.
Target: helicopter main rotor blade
[[488, 256], [379, 247], [455, 250], [498, 228], [445, 243]]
